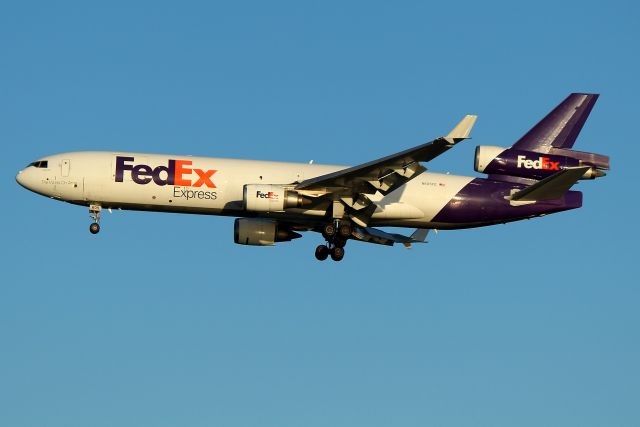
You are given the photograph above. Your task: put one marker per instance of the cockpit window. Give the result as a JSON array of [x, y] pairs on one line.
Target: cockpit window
[[40, 164]]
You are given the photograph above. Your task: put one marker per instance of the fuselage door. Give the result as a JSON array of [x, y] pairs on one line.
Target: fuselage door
[[65, 166]]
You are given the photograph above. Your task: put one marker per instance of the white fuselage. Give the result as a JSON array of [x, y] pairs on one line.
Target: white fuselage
[[92, 178]]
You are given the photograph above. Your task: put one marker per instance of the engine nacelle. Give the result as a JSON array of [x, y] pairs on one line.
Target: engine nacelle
[[271, 198], [526, 164], [485, 154], [261, 232]]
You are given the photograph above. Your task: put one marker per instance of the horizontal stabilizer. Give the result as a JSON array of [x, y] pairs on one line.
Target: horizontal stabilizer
[[420, 235], [374, 235], [552, 187]]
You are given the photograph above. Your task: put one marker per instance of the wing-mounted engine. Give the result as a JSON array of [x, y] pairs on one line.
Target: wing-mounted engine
[[261, 232], [534, 165]]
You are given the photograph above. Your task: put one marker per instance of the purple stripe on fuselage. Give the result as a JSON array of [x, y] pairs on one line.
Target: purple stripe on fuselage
[[482, 202]]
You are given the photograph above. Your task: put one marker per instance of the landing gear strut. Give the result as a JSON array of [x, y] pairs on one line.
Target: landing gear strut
[[336, 235], [94, 213]]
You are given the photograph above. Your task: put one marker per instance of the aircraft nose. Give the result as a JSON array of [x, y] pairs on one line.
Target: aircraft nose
[[20, 178]]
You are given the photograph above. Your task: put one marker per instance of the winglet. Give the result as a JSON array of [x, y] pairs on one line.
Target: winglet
[[462, 129]]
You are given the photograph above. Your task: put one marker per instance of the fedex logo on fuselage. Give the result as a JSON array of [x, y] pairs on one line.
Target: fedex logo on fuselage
[[177, 172], [543, 163]]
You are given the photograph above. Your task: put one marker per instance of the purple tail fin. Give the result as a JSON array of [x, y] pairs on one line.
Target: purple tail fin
[[560, 128]]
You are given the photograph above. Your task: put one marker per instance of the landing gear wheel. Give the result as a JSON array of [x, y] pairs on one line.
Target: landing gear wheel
[[329, 230], [94, 228], [322, 252], [345, 230], [337, 253]]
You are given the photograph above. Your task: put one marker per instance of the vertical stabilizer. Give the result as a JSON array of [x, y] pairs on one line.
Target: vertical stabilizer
[[559, 128]]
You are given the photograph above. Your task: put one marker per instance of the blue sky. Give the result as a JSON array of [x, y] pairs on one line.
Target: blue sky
[[161, 320]]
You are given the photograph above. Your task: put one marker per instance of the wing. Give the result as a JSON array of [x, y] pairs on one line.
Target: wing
[[352, 185], [388, 173]]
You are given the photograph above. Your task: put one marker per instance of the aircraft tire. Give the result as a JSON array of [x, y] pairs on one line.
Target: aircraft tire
[[337, 253], [94, 228], [322, 252], [329, 230], [344, 230]]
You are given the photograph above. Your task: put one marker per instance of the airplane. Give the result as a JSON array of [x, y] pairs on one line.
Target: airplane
[[275, 201]]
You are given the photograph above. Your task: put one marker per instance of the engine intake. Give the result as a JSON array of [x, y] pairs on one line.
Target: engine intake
[[261, 232]]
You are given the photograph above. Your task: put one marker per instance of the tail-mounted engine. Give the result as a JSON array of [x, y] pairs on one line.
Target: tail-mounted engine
[[272, 198], [261, 232], [529, 164]]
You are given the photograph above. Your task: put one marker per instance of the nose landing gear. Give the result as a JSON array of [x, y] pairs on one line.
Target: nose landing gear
[[94, 214]]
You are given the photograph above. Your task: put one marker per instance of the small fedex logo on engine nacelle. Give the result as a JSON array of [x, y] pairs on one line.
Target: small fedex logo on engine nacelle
[[266, 195], [177, 172], [543, 163]]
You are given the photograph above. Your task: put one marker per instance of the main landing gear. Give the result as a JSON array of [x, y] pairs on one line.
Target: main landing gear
[[94, 213], [336, 235], [323, 252]]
